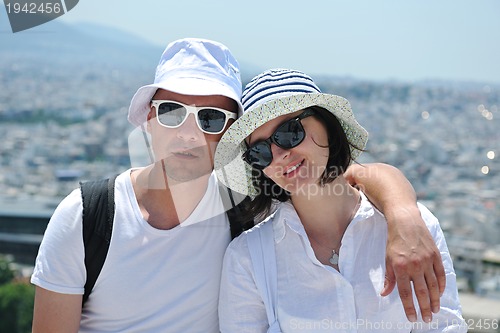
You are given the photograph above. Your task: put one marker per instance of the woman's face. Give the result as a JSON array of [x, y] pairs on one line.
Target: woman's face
[[298, 169]]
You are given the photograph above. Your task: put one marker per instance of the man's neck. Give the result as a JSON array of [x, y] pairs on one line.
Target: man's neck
[[166, 203]]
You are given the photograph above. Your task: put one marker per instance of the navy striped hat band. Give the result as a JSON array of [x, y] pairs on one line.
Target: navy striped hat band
[[276, 83]]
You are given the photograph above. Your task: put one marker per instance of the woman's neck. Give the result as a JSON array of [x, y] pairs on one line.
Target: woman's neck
[[326, 211]]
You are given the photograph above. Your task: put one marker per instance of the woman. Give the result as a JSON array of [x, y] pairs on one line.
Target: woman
[[329, 240]]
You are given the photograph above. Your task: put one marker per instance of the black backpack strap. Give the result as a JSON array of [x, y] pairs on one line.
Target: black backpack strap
[[98, 214]]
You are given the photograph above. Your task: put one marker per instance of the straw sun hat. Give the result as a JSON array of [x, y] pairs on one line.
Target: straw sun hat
[[269, 95]]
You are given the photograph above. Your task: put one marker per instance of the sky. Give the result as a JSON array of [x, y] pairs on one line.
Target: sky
[[406, 40]]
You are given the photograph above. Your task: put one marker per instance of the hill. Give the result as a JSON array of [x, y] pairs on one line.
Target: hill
[[58, 44]]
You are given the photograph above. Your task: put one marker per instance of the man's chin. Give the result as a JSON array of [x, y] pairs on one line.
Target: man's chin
[[184, 170], [185, 175]]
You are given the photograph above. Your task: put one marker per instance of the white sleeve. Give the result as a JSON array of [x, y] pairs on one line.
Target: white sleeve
[[449, 318], [59, 266], [241, 308]]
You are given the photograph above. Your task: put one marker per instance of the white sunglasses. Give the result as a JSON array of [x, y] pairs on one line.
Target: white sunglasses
[[210, 120]]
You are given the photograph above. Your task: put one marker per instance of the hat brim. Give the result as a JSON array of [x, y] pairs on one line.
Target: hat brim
[[140, 103], [230, 168]]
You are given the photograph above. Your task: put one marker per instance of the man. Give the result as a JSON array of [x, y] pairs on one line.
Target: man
[[162, 271]]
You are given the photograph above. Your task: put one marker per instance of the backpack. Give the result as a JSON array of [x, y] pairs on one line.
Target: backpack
[[98, 214], [98, 198]]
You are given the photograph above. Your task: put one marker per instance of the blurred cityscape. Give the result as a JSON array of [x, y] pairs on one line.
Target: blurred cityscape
[[63, 124]]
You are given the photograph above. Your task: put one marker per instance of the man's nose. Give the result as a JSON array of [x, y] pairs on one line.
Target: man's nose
[[189, 130]]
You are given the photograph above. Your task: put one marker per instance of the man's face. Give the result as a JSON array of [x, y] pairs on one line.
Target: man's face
[[186, 150]]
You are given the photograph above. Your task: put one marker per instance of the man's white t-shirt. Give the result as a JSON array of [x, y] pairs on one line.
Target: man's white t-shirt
[[152, 280]]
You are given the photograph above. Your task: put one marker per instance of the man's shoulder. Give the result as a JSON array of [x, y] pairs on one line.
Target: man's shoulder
[[72, 201]]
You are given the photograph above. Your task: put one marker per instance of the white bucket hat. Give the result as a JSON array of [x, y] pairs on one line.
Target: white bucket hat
[[190, 66], [274, 93]]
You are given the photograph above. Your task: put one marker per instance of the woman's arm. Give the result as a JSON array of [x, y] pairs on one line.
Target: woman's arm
[[412, 255]]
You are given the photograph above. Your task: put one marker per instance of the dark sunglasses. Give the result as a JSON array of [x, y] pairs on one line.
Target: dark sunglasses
[[288, 135], [173, 114]]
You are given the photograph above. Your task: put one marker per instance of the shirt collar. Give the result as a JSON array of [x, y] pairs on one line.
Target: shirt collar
[[286, 215], [365, 210]]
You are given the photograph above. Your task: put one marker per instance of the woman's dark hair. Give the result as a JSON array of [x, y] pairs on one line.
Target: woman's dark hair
[[339, 158]]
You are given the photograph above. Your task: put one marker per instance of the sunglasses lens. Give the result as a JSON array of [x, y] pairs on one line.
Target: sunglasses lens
[[171, 114], [211, 120], [259, 156], [290, 134]]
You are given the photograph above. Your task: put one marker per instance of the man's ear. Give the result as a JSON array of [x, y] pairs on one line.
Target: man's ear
[[151, 115]]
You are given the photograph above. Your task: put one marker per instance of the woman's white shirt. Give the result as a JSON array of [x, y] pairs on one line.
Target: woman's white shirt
[[313, 297]]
